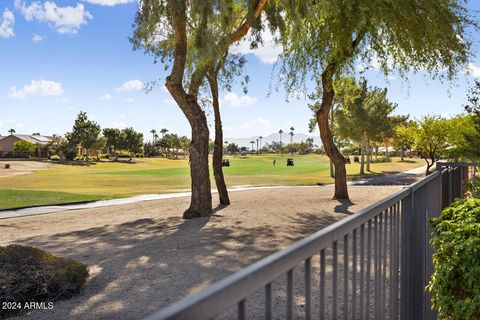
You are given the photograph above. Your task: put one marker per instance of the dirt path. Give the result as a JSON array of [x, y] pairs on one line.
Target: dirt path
[[22, 167], [143, 256]]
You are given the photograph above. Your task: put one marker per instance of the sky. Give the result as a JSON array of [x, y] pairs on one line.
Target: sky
[[60, 57]]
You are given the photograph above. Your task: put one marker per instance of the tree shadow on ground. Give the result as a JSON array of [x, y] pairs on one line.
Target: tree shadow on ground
[[343, 206], [142, 266]]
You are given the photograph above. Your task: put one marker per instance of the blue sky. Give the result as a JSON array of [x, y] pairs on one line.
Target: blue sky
[[58, 57]]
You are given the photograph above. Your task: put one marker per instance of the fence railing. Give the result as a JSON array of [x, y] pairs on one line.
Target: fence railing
[[373, 264]]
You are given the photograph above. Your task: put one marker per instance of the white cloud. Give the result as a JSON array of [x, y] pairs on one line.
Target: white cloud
[[106, 97], [63, 19], [109, 3], [38, 37], [6, 24], [268, 53], [128, 100], [259, 124], [131, 85], [37, 88], [473, 70], [236, 101]]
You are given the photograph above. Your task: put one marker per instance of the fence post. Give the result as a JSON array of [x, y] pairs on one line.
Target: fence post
[[406, 260], [418, 238]]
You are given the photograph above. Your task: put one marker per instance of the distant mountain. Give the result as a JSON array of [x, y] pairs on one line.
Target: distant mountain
[[298, 137]]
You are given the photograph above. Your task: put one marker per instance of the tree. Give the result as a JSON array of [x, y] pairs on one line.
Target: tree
[[154, 135], [233, 148], [470, 148], [84, 133], [23, 149], [252, 143], [431, 139], [131, 140], [324, 39], [163, 131], [169, 30], [404, 136], [260, 138], [114, 138], [280, 132], [11, 131], [291, 134]]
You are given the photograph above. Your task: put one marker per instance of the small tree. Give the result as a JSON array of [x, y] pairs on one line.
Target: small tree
[[114, 138], [132, 141], [23, 149], [404, 136], [431, 139], [85, 133]]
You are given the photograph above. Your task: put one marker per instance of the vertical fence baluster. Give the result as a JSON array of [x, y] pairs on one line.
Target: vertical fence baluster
[[362, 269], [384, 257], [334, 279], [369, 267], [268, 302], [322, 284], [378, 265], [308, 289], [242, 312], [345, 277], [354, 274], [290, 294], [396, 258], [390, 260]]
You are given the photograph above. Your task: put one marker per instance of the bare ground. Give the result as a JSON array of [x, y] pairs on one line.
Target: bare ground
[[143, 256], [22, 167]]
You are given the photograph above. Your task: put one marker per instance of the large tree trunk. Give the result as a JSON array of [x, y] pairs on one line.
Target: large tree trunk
[[201, 199], [341, 190], [402, 154], [218, 144]]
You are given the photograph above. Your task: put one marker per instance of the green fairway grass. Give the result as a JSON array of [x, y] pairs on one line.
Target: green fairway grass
[[103, 180], [20, 198]]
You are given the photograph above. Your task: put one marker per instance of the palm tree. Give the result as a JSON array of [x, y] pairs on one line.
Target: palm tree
[[252, 143], [12, 131], [260, 138], [163, 131], [257, 145], [153, 132], [280, 132], [291, 134]]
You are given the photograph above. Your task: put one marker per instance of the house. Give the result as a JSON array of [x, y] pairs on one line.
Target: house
[[6, 142]]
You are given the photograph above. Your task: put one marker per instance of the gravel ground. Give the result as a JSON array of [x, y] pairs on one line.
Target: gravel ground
[[143, 256]]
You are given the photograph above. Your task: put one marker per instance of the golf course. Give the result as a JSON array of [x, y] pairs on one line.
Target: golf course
[[62, 183]]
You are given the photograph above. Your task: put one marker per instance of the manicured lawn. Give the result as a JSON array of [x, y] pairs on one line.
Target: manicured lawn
[[20, 198], [111, 180]]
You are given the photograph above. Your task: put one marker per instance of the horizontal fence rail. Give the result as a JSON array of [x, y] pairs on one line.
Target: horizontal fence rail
[[373, 264]]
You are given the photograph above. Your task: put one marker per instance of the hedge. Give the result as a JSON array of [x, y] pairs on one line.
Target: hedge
[[455, 284]]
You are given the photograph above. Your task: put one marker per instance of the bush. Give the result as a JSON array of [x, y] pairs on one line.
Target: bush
[[55, 158], [31, 275], [104, 156], [379, 159], [455, 284], [23, 149], [68, 151], [123, 154]]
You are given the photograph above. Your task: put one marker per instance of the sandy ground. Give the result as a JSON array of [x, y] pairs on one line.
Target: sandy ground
[[143, 256], [22, 167]]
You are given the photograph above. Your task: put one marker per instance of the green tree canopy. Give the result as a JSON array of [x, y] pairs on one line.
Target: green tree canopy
[[84, 132]]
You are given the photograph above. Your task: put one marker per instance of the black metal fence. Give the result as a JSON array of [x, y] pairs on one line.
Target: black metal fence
[[373, 264]]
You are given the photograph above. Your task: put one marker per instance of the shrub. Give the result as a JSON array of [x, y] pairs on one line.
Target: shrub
[[455, 284], [123, 154], [379, 159], [55, 158], [31, 275], [68, 151], [104, 156], [24, 149]]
